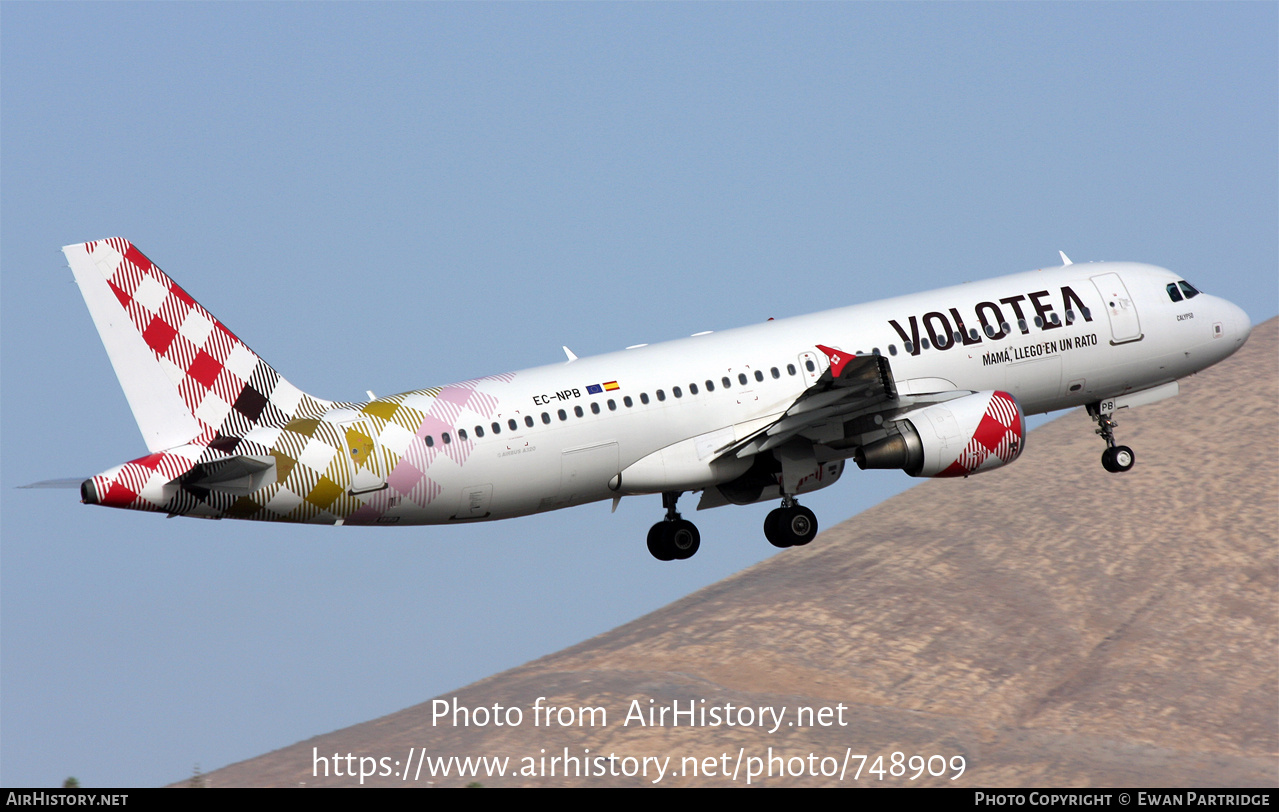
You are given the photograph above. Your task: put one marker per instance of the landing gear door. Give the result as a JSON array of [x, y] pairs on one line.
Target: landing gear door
[[1124, 324]]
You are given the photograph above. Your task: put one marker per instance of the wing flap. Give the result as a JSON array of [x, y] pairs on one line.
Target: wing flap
[[850, 386]]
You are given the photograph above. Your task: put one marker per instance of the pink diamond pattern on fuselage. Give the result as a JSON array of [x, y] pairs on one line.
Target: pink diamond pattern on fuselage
[[231, 392]]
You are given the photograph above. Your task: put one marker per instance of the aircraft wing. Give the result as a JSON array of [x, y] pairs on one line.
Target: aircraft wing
[[852, 386]]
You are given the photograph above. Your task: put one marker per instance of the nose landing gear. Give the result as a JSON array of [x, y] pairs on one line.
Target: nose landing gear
[[1116, 458]]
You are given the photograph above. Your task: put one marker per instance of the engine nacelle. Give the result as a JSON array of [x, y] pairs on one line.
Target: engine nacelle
[[968, 435]]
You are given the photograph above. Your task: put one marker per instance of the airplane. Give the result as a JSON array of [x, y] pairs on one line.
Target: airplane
[[934, 384]]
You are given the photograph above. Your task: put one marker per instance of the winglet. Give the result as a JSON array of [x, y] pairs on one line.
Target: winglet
[[838, 359], [1065, 260], [569, 353]]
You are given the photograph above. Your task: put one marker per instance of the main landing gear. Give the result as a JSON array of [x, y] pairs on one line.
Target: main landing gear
[[673, 538], [1116, 458], [791, 525]]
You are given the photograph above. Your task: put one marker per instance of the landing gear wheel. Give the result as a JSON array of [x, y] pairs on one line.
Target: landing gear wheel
[[802, 525], [1117, 459], [770, 528], [792, 526], [657, 542], [674, 540], [682, 539]]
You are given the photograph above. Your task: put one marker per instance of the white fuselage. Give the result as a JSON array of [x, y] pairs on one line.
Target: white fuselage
[[1053, 338]]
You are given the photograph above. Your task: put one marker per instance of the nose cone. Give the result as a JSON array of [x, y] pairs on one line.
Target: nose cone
[[1239, 324]]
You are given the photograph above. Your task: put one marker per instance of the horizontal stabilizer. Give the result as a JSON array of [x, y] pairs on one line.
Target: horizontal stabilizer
[[72, 482]]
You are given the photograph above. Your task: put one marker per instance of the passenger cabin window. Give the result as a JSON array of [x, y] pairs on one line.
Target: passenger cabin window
[[445, 437], [661, 395], [741, 378], [528, 420], [479, 431], [790, 369], [726, 383], [759, 376], [710, 386], [777, 373], [563, 414], [546, 418], [577, 410], [430, 441], [627, 401], [612, 405], [461, 435], [595, 408], [810, 366], [644, 398]]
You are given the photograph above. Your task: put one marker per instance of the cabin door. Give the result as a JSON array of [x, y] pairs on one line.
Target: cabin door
[[1124, 324]]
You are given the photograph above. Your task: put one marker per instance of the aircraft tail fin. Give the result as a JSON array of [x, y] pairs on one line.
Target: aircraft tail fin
[[186, 376]]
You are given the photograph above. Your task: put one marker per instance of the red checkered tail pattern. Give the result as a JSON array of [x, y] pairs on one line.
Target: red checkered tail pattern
[[188, 379]]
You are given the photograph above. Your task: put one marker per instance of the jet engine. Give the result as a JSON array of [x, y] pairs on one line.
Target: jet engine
[[967, 435]]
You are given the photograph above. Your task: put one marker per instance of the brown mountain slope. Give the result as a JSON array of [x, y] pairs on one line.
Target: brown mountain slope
[[1050, 623]]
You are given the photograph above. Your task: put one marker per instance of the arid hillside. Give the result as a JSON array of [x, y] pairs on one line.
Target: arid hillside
[[1050, 623]]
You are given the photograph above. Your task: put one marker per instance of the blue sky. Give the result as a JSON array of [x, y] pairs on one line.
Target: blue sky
[[392, 196]]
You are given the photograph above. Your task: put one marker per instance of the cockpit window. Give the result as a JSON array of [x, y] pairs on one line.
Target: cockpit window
[[1173, 293], [1188, 289]]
